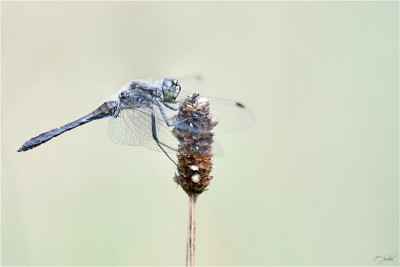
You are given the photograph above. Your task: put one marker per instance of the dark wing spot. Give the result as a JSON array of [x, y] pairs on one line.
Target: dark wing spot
[[240, 105]]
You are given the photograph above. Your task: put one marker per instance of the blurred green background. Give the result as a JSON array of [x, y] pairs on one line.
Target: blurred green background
[[313, 182]]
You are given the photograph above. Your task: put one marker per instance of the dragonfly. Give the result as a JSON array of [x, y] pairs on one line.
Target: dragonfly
[[142, 114]]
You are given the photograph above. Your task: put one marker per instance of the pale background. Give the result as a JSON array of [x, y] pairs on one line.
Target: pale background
[[313, 182]]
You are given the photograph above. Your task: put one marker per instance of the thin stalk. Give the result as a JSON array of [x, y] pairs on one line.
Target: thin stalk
[[194, 157], [191, 231]]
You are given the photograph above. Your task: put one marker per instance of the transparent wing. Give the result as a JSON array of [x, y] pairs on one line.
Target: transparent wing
[[232, 116], [192, 83], [133, 127]]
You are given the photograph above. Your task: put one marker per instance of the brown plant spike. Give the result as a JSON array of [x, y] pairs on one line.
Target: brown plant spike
[[195, 147]]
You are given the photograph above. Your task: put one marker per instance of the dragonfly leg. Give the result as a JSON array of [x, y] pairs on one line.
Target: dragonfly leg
[[175, 108], [154, 132], [171, 107], [167, 146], [167, 121]]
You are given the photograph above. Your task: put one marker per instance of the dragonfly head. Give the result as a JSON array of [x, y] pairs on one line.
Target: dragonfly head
[[170, 89]]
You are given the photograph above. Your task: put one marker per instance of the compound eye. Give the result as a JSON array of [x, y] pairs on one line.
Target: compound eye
[[167, 83]]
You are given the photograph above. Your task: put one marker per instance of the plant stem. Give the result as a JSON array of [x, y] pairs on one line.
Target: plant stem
[[191, 231]]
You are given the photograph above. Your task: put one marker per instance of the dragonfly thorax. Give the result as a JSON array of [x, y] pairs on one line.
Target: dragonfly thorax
[[170, 89]]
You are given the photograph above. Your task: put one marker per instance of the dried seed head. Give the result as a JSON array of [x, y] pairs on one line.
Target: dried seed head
[[195, 144]]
